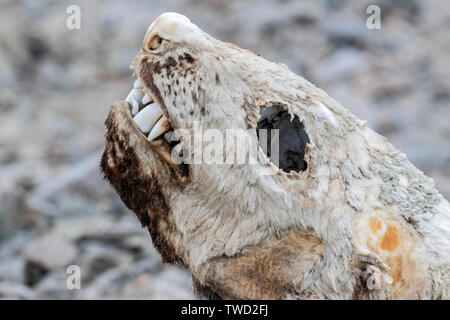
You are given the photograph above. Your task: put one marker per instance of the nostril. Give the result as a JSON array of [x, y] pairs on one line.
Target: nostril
[[292, 138], [154, 42]]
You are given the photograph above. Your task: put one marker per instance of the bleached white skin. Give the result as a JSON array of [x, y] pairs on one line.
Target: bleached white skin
[[178, 29], [360, 194]]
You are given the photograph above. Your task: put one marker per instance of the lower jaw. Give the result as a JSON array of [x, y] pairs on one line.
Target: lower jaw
[[164, 152]]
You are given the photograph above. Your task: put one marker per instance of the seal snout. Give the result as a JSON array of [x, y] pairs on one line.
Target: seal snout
[[174, 27]]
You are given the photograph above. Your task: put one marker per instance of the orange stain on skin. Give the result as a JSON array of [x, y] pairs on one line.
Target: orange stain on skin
[[396, 265], [375, 225], [396, 246], [391, 239]]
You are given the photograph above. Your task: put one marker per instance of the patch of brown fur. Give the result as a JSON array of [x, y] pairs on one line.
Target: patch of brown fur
[[266, 272], [138, 188], [371, 277], [147, 72], [204, 290]]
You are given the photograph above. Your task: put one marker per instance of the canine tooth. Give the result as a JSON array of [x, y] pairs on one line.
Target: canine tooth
[[147, 117], [146, 99], [138, 84], [160, 127]]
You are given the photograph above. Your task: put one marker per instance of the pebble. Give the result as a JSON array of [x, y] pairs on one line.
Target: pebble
[[341, 64], [14, 290], [51, 251]]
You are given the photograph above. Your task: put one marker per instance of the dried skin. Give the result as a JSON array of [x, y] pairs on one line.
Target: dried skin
[[361, 222]]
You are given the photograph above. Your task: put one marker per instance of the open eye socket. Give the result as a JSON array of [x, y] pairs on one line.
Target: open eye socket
[[292, 138], [154, 43]]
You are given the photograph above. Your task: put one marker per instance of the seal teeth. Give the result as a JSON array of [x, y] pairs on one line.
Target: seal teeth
[[160, 127], [138, 84], [146, 99], [134, 98], [147, 117]]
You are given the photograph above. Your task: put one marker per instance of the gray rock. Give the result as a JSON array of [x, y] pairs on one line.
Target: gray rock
[[172, 283], [53, 286], [51, 251], [97, 259], [84, 226], [151, 265], [340, 65], [12, 269], [140, 245], [14, 290], [141, 280], [106, 284], [346, 31], [33, 273], [13, 245]]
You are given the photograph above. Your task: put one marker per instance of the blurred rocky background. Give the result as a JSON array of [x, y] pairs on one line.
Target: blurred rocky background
[[58, 84]]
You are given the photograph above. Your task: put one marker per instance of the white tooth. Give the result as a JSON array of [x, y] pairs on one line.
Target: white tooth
[[138, 84], [134, 107], [146, 99], [160, 127], [133, 98], [130, 96], [147, 117], [132, 101], [138, 94]]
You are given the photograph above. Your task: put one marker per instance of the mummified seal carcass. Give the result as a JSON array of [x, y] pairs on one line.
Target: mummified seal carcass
[[356, 220]]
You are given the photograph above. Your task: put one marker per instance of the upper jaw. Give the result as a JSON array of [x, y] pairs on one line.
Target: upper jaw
[[151, 119], [148, 115], [148, 112], [153, 156]]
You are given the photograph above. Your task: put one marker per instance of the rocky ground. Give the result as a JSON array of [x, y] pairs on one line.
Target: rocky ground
[[58, 84]]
